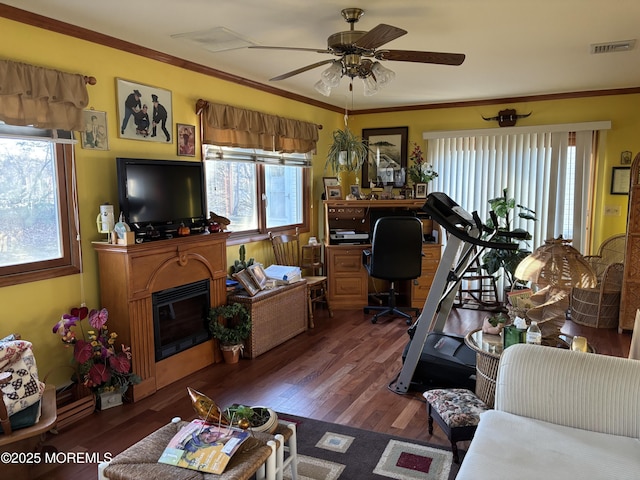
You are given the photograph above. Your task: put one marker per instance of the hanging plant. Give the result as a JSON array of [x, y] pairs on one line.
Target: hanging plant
[[347, 152]]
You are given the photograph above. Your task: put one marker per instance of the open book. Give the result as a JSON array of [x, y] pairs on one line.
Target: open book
[[204, 447]]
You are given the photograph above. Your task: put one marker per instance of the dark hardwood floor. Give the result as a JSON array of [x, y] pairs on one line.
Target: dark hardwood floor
[[338, 372]]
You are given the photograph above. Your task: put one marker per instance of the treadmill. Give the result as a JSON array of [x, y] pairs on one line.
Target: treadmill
[[433, 358]]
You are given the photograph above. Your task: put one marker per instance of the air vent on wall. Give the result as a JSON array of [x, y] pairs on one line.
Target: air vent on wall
[[619, 46]]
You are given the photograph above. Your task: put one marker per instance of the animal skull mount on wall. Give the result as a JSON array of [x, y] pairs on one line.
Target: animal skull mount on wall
[[507, 118]]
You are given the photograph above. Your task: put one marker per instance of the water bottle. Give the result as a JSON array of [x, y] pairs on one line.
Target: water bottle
[[534, 335]]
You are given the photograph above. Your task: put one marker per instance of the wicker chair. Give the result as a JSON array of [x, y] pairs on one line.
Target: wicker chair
[[287, 251], [599, 307]]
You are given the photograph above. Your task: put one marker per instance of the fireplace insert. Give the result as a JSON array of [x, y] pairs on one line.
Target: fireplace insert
[[180, 318]]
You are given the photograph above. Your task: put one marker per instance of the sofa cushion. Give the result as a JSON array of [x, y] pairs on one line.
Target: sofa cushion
[[508, 446]]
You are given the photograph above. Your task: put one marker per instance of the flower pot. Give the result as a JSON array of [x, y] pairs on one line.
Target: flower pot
[[270, 425], [109, 399], [231, 353]]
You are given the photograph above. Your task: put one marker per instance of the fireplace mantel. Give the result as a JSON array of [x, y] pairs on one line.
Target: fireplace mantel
[[130, 274]]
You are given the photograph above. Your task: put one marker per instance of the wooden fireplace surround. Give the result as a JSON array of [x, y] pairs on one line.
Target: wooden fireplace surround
[[130, 274]]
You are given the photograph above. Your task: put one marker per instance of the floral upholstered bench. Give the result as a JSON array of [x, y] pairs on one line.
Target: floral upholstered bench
[[457, 412]]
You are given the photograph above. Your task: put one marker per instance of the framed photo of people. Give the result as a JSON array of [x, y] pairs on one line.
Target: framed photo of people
[[144, 112], [186, 140], [95, 135]]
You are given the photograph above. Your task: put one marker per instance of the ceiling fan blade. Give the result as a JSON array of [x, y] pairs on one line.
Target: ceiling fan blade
[[379, 35], [421, 57], [301, 49], [300, 70]]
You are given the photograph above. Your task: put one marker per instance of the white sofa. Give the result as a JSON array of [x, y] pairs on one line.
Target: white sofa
[[559, 415]]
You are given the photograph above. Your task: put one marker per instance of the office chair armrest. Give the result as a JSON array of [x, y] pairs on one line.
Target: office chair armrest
[[366, 257]]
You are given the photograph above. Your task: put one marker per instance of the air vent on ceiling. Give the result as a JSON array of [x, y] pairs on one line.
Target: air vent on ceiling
[[218, 39], [609, 47]]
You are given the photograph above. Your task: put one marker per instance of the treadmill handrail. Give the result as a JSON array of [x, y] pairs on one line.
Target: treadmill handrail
[[455, 216]]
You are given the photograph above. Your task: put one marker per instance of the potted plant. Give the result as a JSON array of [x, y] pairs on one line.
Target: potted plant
[[496, 259], [230, 325], [258, 419], [420, 171], [100, 365], [242, 263]]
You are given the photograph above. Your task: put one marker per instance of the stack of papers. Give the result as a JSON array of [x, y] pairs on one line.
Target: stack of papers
[[283, 274]]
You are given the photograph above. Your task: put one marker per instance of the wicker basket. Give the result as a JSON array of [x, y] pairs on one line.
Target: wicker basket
[[595, 308], [276, 316]]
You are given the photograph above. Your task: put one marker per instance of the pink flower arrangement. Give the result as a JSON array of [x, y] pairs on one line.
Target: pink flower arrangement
[[420, 171], [101, 365]]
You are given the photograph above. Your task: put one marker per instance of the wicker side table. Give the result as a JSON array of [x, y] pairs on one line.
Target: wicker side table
[[488, 349], [276, 316]]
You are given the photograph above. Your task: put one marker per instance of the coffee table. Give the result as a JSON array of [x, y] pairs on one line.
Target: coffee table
[[141, 460]]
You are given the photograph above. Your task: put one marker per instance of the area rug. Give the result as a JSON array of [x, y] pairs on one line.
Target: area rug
[[328, 451]]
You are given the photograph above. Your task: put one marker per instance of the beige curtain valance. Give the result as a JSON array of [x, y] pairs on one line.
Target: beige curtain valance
[[41, 97], [229, 126]]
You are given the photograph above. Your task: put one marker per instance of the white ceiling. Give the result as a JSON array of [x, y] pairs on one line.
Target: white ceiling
[[513, 47]]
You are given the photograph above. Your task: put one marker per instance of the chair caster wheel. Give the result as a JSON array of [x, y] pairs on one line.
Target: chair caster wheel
[[374, 320]]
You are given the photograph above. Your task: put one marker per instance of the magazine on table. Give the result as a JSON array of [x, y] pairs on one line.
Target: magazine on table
[[204, 447]]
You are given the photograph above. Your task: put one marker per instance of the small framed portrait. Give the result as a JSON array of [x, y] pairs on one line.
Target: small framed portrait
[[330, 181], [186, 139], [144, 112], [95, 135], [333, 192], [421, 190], [246, 280], [625, 157], [355, 190]]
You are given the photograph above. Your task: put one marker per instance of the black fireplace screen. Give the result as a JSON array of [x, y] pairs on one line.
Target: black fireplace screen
[[180, 318]]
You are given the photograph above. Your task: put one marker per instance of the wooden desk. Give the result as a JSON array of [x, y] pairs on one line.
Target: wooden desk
[[347, 278]]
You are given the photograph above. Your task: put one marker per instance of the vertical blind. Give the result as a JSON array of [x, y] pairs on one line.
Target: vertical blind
[[532, 163]]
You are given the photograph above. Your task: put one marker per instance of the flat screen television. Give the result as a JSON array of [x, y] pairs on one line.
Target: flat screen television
[[156, 196]]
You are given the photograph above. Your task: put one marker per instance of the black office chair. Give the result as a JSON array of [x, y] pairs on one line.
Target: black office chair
[[396, 254]]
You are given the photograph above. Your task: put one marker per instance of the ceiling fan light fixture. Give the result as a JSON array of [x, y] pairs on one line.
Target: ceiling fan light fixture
[[332, 75], [371, 86], [323, 88], [383, 75]]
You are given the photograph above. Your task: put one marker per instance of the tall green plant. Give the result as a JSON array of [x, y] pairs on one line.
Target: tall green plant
[[496, 260]]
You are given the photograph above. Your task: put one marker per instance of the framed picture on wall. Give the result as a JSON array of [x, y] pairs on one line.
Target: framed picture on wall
[[387, 155], [94, 136], [144, 112], [186, 140], [620, 180]]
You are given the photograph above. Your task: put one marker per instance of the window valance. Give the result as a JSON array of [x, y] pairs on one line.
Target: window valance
[[44, 98], [230, 126]]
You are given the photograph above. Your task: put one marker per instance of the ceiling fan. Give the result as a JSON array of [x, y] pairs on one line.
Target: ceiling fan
[[359, 54]]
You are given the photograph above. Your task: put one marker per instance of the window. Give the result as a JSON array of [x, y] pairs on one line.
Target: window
[[548, 169], [37, 220], [258, 191]]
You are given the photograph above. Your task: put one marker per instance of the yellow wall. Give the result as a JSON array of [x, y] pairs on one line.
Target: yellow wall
[[33, 308]]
